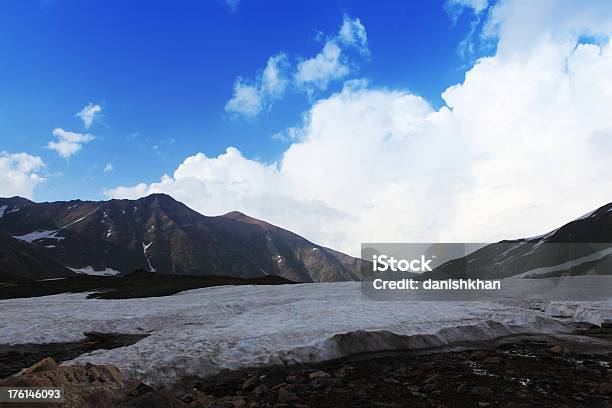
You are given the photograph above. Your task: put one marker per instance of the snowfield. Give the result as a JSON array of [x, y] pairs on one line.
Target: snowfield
[[203, 331]]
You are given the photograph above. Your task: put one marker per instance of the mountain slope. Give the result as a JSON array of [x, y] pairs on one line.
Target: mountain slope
[[160, 234], [20, 260], [582, 246]]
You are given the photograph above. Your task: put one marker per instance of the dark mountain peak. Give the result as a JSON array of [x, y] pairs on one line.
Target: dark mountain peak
[[159, 233], [241, 217], [15, 200], [238, 216], [234, 215], [158, 196]]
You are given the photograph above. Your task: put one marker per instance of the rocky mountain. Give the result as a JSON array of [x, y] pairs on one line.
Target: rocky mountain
[[20, 260], [580, 247], [160, 234]]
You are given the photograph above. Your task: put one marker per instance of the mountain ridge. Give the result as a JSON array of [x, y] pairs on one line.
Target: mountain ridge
[[582, 246], [162, 234]]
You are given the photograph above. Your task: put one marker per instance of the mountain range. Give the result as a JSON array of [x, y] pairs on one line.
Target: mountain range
[[159, 234], [580, 247]]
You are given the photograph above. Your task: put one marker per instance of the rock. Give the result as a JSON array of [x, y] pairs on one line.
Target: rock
[[89, 386], [250, 383], [461, 388], [240, 403], [275, 376], [260, 389], [149, 400], [277, 386], [343, 371], [285, 394], [484, 404], [556, 349], [431, 387], [431, 378], [132, 386], [204, 400], [481, 391], [45, 364], [605, 388], [418, 394], [479, 355], [318, 374]]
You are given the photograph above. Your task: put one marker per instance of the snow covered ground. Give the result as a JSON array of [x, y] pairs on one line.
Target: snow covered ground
[[200, 332]]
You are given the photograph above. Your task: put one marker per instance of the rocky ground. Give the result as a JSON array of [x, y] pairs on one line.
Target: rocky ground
[[512, 372], [530, 373], [15, 357], [138, 284]]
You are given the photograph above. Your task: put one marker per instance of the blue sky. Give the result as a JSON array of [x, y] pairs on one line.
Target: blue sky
[[343, 121], [163, 72]]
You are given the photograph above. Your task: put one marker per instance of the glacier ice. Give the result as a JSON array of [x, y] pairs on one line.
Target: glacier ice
[[203, 331]]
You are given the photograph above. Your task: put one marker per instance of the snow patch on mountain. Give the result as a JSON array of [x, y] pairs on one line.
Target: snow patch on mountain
[[36, 235], [144, 250], [49, 234], [566, 265], [89, 270], [4, 211]]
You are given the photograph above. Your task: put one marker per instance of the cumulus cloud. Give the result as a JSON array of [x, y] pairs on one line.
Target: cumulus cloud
[[19, 174], [331, 64], [521, 146], [88, 114], [456, 6], [68, 143], [353, 33], [326, 66], [108, 168], [249, 99]]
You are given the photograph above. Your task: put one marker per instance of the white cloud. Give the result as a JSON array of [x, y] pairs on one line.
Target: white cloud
[[522, 146], [326, 66], [331, 64], [353, 33], [250, 99], [476, 6], [19, 174], [68, 143], [88, 114], [108, 168], [246, 100]]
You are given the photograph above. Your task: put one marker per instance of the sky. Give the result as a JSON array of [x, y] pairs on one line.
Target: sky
[[344, 121]]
